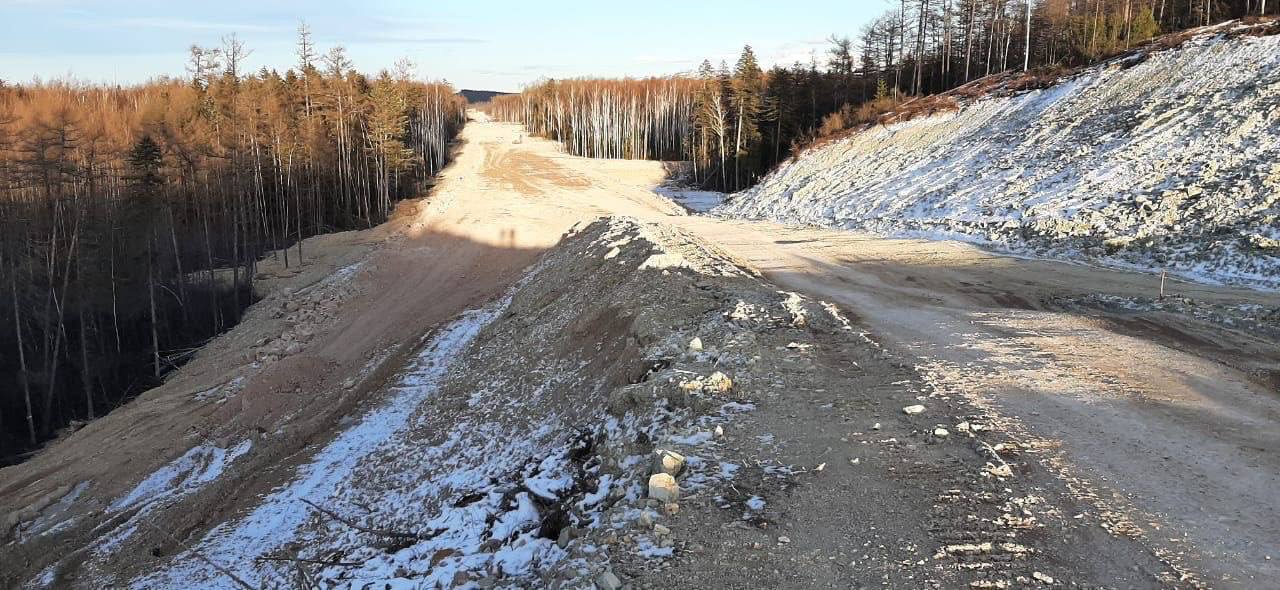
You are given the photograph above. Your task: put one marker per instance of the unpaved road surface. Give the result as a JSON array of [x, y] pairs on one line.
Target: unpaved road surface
[[1172, 420], [1152, 436]]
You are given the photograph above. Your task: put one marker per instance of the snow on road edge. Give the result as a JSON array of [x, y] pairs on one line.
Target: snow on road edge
[[276, 520]]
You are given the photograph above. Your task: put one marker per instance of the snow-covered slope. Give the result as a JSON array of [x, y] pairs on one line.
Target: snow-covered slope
[[1168, 160]]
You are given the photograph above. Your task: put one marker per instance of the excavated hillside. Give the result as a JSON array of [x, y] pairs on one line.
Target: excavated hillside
[[1166, 159], [528, 443], [468, 396]]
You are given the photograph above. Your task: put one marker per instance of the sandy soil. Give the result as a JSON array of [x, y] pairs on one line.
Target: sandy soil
[[1183, 443], [1161, 428]]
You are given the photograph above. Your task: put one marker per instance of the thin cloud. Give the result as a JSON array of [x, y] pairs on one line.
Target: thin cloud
[[415, 22], [419, 39], [181, 24], [666, 61], [522, 70]]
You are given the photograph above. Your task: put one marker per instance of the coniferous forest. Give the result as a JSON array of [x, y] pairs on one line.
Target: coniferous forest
[[132, 218], [735, 122]]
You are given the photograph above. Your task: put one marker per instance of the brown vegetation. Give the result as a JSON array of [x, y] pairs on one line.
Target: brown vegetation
[[131, 217]]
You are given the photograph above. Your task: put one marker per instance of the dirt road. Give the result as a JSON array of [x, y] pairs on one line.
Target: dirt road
[[1172, 421], [1166, 424]]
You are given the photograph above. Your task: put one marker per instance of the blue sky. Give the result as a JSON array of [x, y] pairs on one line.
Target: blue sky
[[483, 44]]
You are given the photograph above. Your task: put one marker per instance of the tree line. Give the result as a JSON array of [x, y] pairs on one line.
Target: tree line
[[132, 218], [735, 123]]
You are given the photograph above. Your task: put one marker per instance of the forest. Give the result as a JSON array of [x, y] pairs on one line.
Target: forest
[[132, 218], [735, 123]]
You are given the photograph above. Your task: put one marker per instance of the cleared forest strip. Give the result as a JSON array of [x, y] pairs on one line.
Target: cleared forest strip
[[917, 299]]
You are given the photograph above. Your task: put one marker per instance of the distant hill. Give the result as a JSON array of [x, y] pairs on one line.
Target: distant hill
[[477, 96]]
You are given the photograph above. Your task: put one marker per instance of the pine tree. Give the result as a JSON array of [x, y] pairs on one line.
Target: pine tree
[[387, 121], [146, 159], [746, 94]]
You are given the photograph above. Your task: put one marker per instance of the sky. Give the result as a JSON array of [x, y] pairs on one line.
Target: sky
[[478, 44]]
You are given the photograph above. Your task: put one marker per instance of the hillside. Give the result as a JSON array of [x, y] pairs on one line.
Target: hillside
[[514, 449], [479, 96], [1166, 159]]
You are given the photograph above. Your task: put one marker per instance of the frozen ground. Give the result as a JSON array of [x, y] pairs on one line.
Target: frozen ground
[[237, 546], [1164, 161], [696, 201]]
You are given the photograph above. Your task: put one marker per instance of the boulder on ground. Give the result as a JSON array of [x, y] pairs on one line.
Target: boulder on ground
[[668, 462], [718, 383], [607, 580], [663, 487]]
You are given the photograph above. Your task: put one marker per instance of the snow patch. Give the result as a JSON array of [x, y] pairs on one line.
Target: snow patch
[[1168, 164], [695, 201], [184, 475], [277, 519]]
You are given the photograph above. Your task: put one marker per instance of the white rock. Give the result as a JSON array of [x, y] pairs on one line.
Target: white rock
[[1000, 470], [608, 581], [916, 409], [718, 382], [963, 427], [784, 539], [941, 432], [663, 487], [661, 530], [668, 462], [719, 431], [875, 426], [695, 345], [1042, 577], [664, 261]]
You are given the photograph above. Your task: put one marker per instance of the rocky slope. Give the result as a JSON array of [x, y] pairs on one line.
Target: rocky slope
[[637, 410], [1168, 159]]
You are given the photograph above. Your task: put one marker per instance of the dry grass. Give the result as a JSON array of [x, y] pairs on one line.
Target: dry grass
[[925, 106], [882, 111], [1261, 26]]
